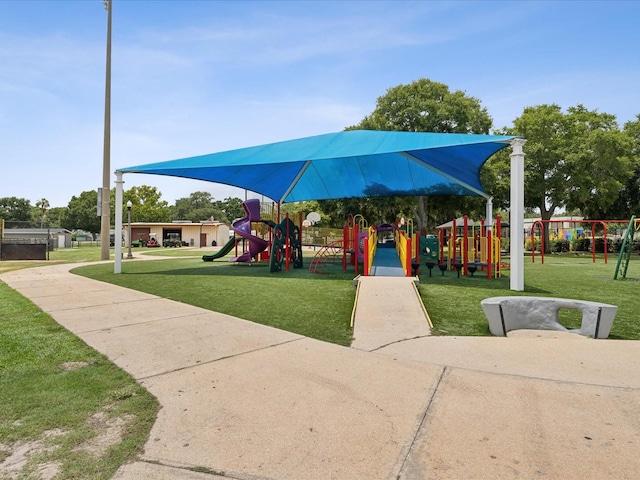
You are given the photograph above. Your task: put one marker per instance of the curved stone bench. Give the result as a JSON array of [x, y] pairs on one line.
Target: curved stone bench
[[541, 313]]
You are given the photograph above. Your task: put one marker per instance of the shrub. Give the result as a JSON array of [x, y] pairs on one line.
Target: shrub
[[559, 246], [600, 245], [536, 244], [616, 245], [582, 244]]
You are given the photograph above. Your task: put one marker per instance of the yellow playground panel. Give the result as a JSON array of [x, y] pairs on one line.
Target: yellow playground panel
[[468, 246]]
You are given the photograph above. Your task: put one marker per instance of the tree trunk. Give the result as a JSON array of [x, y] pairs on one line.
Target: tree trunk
[[420, 214], [546, 214]]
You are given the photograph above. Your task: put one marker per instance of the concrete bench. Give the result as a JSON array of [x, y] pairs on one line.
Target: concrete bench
[[541, 313]]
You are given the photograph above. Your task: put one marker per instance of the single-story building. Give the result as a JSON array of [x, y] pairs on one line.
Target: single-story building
[[58, 237], [199, 234]]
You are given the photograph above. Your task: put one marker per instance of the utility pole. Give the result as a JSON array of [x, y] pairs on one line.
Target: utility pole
[[105, 218]]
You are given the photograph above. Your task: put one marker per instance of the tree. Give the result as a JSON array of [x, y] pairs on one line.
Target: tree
[[55, 215], [628, 199], [597, 161], [43, 205], [197, 207], [231, 207], [295, 209], [575, 160], [82, 213], [426, 106], [146, 204], [14, 209]]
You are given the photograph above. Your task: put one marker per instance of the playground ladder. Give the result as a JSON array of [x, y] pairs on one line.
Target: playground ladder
[[326, 254], [625, 250]]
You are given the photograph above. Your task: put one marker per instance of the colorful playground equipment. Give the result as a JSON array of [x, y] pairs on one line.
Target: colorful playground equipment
[[242, 227], [467, 246], [286, 246], [282, 244], [571, 230], [361, 242]]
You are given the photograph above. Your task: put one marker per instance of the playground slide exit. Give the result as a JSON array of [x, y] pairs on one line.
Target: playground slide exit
[[227, 247]]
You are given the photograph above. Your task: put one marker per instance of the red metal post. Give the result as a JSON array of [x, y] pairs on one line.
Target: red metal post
[[455, 238], [355, 246], [604, 227], [499, 237], [345, 246], [542, 235], [465, 244]]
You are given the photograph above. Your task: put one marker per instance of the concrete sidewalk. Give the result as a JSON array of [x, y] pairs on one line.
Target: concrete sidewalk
[[245, 401], [388, 310]]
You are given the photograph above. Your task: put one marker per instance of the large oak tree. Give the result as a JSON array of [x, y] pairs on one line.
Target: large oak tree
[[574, 160]]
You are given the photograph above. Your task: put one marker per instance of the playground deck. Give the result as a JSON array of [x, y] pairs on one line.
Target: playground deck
[[386, 263]]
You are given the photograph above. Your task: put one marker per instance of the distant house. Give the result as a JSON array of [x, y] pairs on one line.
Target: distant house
[[199, 234], [57, 237]]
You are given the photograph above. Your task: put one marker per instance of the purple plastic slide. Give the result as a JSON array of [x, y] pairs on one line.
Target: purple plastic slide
[[242, 227]]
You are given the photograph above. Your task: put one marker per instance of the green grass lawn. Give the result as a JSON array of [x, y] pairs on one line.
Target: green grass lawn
[[59, 398]]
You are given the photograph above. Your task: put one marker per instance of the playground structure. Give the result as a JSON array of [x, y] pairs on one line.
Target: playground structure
[[627, 246], [572, 230], [461, 245], [361, 241], [279, 243], [467, 246]]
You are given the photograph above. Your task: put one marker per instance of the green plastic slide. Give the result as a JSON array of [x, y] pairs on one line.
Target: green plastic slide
[[210, 257]]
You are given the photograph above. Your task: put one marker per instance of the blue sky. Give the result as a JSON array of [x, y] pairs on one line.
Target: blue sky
[[191, 77]]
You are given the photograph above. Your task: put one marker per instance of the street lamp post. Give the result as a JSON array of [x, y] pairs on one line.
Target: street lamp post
[[129, 205]]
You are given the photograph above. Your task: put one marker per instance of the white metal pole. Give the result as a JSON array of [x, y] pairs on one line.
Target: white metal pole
[[129, 256], [516, 220], [117, 259], [488, 217]]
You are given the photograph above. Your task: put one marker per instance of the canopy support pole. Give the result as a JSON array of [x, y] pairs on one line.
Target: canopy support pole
[[117, 259], [516, 220], [295, 181], [488, 221]]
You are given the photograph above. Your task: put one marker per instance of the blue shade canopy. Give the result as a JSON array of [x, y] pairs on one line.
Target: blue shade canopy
[[357, 163]]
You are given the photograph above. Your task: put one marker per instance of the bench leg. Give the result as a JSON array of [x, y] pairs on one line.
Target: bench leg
[[504, 328]]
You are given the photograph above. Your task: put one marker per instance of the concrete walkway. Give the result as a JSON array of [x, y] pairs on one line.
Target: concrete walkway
[[245, 401], [388, 310]]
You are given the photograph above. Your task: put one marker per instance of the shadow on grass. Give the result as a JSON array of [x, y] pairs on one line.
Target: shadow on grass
[[255, 270], [500, 284]]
